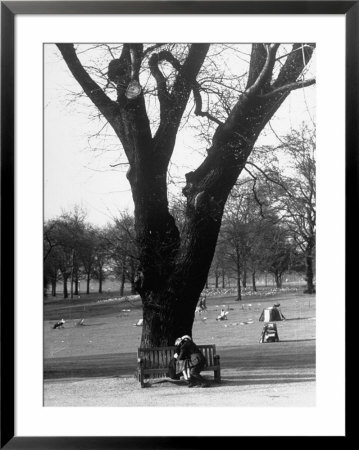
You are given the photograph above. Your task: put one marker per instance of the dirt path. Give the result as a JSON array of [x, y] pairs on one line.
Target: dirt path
[[295, 354], [281, 374], [237, 389]]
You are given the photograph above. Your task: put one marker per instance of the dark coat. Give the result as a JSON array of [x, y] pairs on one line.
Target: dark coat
[[189, 351], [172, 369]]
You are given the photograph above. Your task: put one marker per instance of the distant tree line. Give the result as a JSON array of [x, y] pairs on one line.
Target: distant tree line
[[75, 250], [268, 226], [269, 223]]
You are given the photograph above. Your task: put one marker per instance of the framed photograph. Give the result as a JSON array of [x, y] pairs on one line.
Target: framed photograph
[[162, 165]]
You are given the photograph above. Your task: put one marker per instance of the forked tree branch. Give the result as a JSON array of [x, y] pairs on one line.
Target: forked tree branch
[[154, 62], [174, 104], [294, 65], [198, 106], [290, 87], [266, 71]]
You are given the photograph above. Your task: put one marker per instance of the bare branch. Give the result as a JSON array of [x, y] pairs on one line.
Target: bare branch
[[91, 88], [151, 49], [260, 204], [266, 71], [294, 65], [297, 49], [154, 62], [278, 183], [172, 112], [198, 110], [290, 87], [119, 164]]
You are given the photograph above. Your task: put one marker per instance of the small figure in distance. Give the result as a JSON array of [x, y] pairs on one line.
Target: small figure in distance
[[201, 305], [59, 324], [223, 315], [202, 302]]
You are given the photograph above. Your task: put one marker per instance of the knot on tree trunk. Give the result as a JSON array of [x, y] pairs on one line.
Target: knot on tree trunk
[[199, 200]]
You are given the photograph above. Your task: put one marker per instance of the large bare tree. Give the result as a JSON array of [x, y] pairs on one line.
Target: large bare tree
[[173, 268]]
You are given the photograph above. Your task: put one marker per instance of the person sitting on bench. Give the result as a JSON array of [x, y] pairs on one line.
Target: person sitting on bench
[[187, 351]]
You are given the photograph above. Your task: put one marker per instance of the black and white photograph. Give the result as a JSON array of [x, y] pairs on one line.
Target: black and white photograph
[[177, 182], [179, 224]]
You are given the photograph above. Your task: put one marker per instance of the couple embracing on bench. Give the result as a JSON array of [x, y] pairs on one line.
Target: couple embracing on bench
[[190, 361]]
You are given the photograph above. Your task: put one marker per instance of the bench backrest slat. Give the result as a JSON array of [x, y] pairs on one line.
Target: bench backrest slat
[[208, 356], [158, 357]]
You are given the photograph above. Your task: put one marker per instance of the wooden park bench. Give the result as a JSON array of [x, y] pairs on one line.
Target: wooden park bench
[[154, 362]]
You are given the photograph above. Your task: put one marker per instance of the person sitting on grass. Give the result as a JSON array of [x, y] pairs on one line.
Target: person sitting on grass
[[223, 315], [59, 324], [190, 361]]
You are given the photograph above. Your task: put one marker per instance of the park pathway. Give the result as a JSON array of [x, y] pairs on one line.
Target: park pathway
[[296, 355]]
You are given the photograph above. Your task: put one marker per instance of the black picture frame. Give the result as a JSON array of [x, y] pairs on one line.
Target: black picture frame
[[9, 10]]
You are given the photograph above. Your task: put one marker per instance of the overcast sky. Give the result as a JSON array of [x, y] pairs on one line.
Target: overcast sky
[[76, 174]]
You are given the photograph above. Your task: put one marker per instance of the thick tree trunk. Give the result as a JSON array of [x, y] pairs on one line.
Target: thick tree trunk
[[223, 280], [169, 306]]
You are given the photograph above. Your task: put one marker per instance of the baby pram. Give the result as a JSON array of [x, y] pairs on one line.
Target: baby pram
[[269, 333]]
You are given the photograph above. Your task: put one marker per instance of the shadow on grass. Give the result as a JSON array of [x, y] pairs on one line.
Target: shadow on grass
[[299, 318]]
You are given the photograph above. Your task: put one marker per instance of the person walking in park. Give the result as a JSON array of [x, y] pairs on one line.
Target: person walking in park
[[190, 361]]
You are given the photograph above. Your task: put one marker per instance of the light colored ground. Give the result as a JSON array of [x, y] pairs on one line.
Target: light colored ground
[[126, 392]]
